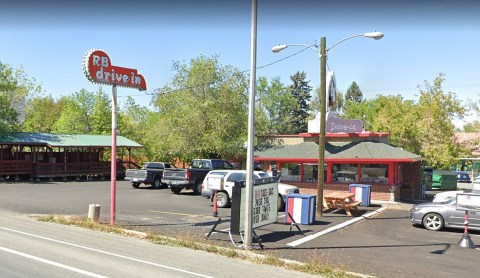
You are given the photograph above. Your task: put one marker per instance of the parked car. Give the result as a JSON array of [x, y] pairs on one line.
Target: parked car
[[447, 195], [462, 176], [150, 174], [224, 198], [191, 178], [436, 216]]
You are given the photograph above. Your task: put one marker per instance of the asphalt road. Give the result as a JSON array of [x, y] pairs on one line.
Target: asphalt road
[[384, 245], [30, 248]]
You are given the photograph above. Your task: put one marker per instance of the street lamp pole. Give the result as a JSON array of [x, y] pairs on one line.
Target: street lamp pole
[[321, 134], [322, 53]]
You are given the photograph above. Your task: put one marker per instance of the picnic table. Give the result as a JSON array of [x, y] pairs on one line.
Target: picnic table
[[342, 200]]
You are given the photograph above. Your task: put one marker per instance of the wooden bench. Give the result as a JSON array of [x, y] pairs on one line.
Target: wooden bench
[[341, 200], [351, 206]]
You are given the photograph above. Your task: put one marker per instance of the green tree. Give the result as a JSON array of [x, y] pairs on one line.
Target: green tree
[[84, 113], [437, 110], [472, 127], [300, 90], [474, 105], [101, 118], [202, 113], [276, 104], [8, 115], [396, 116], [15, 87], [41, 113], [354, 93], [132, 123]]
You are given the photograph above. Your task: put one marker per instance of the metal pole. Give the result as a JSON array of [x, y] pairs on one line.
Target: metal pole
[[113, 158], [321, 134], [251, 133]]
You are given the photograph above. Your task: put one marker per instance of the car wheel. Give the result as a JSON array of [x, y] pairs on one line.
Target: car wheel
[[197, 189], [156, 183], [135, 184], [280, 203], [176, 190], [222, 200], [433, 222]]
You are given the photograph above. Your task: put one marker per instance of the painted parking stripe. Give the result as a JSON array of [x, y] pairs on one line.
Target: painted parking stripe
[[334, 228]]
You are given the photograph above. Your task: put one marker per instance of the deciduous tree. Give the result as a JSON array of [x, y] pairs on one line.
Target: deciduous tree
[[277, 103], [15, 87], [437, 111], [85, 113], [41, 113], [202, 113]]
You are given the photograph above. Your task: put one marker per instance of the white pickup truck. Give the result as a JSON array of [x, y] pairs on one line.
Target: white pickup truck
[[224, 197]]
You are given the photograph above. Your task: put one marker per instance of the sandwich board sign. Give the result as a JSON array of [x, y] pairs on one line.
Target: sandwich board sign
[[265, 198]]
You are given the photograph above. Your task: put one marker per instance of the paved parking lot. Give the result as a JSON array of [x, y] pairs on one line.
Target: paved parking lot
[[384, 245]]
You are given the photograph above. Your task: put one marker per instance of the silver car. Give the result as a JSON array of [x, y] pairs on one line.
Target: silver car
[[435, 216]]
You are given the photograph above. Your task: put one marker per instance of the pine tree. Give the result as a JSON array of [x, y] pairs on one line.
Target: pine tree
[[354, 93], [300, 90]]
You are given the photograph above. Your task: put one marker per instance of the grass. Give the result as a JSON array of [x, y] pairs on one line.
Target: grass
[[314, 266]]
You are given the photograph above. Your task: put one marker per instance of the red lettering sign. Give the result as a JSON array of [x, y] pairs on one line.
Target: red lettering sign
[[99, 69]]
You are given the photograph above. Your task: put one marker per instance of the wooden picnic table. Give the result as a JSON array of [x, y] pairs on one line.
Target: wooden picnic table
[[342, 200]]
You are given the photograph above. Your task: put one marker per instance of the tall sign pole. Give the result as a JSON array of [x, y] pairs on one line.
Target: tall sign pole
[[251, 132], [113, 158], [98, 68]]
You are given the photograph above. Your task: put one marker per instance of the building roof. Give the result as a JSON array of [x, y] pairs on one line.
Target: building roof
[[365, 151], [65, 140]]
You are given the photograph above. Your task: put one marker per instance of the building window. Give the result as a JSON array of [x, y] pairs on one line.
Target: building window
[[374, 173], [310, 172], [345, 173], [290, 172]]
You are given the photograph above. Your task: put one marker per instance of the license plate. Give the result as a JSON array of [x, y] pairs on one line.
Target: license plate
[[135, 179]]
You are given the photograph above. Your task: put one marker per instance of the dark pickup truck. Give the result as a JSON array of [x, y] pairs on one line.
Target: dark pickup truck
[[151, 173], [192, 177]]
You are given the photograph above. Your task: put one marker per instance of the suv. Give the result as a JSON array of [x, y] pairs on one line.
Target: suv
[[462, 176], [224, 197]]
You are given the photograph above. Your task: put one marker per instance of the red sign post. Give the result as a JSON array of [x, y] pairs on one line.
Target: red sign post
[[98, 68]]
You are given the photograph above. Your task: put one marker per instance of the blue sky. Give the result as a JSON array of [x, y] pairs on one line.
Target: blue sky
[[422, 39]]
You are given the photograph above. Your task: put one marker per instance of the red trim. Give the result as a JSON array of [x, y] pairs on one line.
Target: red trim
[[284, 159], [335, 135], [361, 135], [329, 172], [337, 160]]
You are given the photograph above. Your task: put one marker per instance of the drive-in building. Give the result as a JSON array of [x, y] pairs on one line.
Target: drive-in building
[[352, 156]]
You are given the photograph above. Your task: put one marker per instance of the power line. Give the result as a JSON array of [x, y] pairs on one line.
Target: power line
[[207, 84]]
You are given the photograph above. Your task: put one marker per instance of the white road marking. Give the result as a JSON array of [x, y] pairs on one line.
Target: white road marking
[[71, 268], [106, 252], [334, 228]]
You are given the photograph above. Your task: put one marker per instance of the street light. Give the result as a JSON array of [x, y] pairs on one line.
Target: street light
[[322, 54]]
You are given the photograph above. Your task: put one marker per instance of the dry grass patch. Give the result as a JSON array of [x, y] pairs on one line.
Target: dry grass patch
[[314, 266]]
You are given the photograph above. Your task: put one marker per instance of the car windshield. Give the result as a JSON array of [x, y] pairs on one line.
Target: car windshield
[[263, 175], [220, 173], [450, 201]]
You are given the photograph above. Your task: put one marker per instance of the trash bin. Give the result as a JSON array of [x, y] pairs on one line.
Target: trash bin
[[444, 180], [362, 193], [301, 208]]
